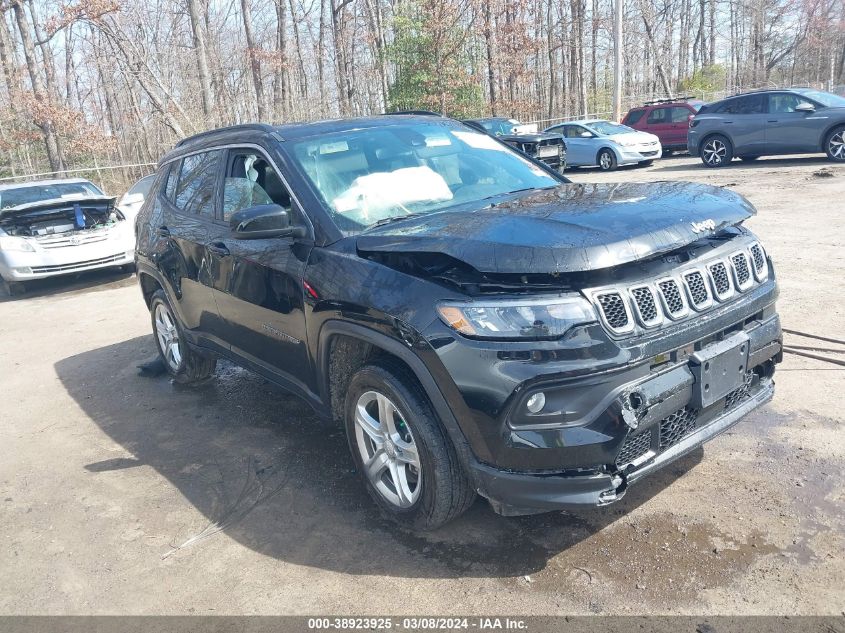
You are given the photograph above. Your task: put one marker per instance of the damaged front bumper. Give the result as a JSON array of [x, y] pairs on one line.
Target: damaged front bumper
[[644, 424], [513, 494]]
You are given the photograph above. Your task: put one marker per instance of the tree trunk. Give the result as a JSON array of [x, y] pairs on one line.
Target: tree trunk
[[490, 45], [254, 61], [196, 14], [42, 121]]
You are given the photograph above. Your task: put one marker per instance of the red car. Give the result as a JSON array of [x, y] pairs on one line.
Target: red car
[[668, 119]]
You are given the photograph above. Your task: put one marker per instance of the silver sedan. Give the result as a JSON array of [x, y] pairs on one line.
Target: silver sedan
[[598, 142]]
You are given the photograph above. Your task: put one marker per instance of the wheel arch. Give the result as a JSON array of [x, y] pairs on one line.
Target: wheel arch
[[354, 346], [826, 134], [149, 284], [609, 148]]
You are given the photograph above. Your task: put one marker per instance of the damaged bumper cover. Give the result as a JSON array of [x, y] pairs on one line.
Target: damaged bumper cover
[[642, 425], [513, 494]]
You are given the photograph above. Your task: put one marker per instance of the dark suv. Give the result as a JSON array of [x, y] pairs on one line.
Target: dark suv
[[477, 323], [769, 122], [668, 119]]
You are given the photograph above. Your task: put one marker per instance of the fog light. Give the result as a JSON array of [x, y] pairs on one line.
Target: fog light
[[536, 402], [24, 270]]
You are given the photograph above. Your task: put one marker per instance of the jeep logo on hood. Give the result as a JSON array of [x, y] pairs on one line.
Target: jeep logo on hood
[[704, 225]]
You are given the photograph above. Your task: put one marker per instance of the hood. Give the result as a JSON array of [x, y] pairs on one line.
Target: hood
[[633, 137], [57, 204], [531, 138], [570, 228]]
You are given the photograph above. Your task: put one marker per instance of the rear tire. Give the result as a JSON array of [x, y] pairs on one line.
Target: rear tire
[[183, 363], [716, 151], [606, 160], [403, 454], [834, 144]]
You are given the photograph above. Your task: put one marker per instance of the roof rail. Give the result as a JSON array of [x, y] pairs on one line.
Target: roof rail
[[245, 127], [414, 112], [676, 99]]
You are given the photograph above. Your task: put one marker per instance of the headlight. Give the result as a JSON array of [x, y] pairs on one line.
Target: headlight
[[627, 143], [517, 318], [12, 243]]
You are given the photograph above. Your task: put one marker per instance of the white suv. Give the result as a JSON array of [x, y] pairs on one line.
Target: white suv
[[57, 227]]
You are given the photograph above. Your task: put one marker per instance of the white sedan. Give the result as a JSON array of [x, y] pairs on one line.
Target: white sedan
[[58, 227], [608, 145]]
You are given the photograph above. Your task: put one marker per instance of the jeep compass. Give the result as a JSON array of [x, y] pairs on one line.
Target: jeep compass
[[478, 323]]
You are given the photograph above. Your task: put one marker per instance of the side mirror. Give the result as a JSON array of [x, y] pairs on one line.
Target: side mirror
[[805, 107], [262, 222], [586, 134]]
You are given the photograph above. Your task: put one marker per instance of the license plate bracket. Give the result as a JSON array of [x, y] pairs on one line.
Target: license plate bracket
[[719, 368]]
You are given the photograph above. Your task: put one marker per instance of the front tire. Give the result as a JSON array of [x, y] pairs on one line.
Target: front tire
[[406, 460], [835, 144], [183, 363], [646, 163], [716, 151], [607, 160]]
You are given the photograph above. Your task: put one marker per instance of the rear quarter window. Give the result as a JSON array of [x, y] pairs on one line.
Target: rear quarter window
[[634, 117]]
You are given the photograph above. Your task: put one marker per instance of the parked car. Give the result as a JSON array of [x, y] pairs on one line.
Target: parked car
[[548, 148], [667, 119], [57, 227], [769, 122], [476, 323], [598, 142], [131, 201]]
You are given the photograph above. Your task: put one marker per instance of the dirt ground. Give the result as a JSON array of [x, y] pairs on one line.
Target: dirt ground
[[128, 495]]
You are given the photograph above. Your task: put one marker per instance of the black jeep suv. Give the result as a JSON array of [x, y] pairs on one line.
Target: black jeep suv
[[478, 323]]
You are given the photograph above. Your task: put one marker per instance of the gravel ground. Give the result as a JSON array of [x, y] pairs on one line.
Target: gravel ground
[[130, 495]]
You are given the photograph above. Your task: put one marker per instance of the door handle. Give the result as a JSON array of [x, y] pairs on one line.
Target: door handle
[[218, 248], [163, 231]]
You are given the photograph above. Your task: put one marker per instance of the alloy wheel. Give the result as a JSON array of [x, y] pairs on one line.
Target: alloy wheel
[[605, 160], [837, 145], [168, 336], [715, 152], [389, 454]]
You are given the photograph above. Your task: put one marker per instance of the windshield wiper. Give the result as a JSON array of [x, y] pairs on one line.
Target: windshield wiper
[[394, 218]]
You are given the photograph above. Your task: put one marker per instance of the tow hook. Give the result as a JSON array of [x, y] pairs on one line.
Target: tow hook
[[616, 492]]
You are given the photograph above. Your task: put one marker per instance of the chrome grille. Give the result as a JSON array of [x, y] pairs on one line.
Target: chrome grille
[[741, 270], [761, 271], [673, 301], [676, 426], [646, 308], [634, 447], [72, 239], [697, 288], [614, 310], [721, 281]]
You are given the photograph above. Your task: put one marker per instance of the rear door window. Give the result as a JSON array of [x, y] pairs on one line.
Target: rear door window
[[679, 114], [194, 192], [658, 115], [750, 104]]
